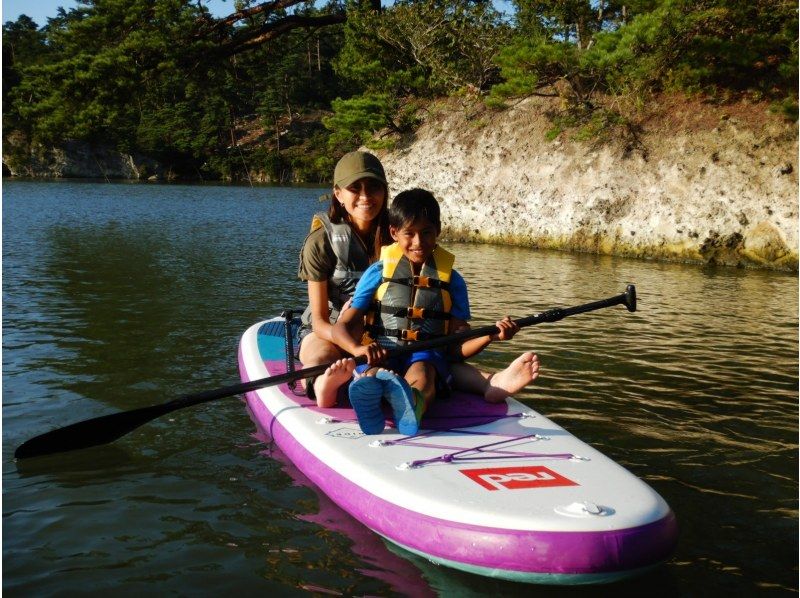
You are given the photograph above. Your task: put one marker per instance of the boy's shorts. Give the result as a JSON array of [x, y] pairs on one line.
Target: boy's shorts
[[400, 364]]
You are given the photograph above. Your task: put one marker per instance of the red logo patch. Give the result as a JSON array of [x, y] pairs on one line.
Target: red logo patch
[[516, 478]]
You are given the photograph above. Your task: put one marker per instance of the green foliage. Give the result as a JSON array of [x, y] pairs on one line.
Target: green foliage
[[105, 60], [717, 48], [23, 46], [531, 64], [422, 47], [164, 78], [411, 50], [598, 125], [704, 46], [788, 108], [141, 75], [355, 121], [370, 66]]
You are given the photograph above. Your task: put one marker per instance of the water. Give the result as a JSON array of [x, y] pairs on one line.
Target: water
[[117, 296]]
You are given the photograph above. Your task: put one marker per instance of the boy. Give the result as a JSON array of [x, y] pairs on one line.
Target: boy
[[411, 294]]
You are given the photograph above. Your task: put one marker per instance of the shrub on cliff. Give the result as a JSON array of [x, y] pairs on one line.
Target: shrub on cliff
[[713, 47]]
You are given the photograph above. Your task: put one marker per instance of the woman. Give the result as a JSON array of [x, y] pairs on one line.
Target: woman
[[342, 243]]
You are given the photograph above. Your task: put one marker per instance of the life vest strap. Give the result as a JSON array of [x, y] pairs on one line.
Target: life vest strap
[[419, 281], [413, 313], [402, 334]]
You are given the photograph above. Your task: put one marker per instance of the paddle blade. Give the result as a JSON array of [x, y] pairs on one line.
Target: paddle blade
[[91, 432]]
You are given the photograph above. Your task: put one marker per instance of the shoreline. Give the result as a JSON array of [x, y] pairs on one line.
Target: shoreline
[[695, 183]]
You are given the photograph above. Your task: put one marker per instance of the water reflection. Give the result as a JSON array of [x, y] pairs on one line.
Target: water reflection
[[116, 297], [696, 392]]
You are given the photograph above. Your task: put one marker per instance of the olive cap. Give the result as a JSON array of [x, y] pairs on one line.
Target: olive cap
[[357, 165]]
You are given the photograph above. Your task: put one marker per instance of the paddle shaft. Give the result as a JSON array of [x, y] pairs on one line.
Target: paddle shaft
[[107, 428]]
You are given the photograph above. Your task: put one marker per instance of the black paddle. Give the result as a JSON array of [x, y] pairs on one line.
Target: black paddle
[[107, 428]]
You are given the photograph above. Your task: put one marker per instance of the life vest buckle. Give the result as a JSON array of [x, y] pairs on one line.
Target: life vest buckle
[[409, 335], [421, 281], [415, 313]]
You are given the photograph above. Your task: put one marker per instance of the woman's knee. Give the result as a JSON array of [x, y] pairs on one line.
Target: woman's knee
[[314, 350]]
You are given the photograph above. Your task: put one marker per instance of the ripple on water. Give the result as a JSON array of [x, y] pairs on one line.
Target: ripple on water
[[115, 299]]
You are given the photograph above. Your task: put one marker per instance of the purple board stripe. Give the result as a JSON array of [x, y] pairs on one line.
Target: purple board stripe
[[492, 548], [461, 409]]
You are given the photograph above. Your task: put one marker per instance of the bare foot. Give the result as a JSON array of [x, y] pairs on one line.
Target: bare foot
[[519, 373], [327, 385]]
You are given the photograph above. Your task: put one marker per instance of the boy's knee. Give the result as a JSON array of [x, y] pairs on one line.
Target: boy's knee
[[420, 369]]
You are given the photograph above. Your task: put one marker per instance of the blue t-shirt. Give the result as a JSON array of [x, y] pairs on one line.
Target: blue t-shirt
[[372, 277]]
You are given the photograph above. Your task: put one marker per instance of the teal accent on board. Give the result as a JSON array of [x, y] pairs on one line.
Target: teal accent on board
[[555, 579], [271, 341]]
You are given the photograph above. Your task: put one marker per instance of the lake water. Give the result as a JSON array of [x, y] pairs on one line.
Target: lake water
[[117, 296]]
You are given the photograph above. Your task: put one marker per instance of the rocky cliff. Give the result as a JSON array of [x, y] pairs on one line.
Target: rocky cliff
[[696, 183], [76, 159]]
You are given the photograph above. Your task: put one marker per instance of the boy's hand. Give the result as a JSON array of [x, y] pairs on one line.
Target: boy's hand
[[374, 352], [508, 328]]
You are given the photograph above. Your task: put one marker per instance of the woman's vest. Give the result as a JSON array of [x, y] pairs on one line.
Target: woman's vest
[[409, 307], [351, 261]]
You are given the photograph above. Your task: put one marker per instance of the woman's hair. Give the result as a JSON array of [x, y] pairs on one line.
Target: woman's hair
[[337, 214], [413, 205]]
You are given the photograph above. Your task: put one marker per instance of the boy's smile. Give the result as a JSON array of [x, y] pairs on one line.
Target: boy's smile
[[417, 239]]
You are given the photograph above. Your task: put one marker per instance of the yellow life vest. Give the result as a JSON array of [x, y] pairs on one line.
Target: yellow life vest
[[408, 307]]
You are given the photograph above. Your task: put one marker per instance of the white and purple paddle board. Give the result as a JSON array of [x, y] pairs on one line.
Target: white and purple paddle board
[[493, 489]]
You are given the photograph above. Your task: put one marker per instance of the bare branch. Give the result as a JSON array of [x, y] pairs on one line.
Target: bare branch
[[249, 28], [252, 37], [264, 7]]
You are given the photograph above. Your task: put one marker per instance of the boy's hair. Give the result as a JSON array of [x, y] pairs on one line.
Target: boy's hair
[[413, 205]]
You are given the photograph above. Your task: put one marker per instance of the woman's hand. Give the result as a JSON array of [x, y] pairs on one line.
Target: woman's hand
[[320, 314], [345, 307]]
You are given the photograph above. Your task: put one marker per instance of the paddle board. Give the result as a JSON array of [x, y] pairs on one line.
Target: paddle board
[[492, 489]]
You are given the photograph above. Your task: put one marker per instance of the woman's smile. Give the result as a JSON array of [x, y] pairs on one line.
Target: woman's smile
[[362, 200]]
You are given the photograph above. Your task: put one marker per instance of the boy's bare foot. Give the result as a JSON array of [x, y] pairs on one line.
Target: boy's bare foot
[[519, 373], [327, 385]]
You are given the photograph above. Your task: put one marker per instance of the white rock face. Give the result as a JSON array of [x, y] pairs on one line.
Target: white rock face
[[723, 193]]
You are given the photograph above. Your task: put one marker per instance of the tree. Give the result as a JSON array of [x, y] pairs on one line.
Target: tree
[[168, 79], [412, 50], [356, 121], [423, 47], [23, 46], [710, 46], [162, 76]]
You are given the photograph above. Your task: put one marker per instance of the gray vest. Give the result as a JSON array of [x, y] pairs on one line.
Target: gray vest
[[351, 261]]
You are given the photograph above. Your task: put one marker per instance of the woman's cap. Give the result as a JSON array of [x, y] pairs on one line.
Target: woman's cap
[[357, 165]]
